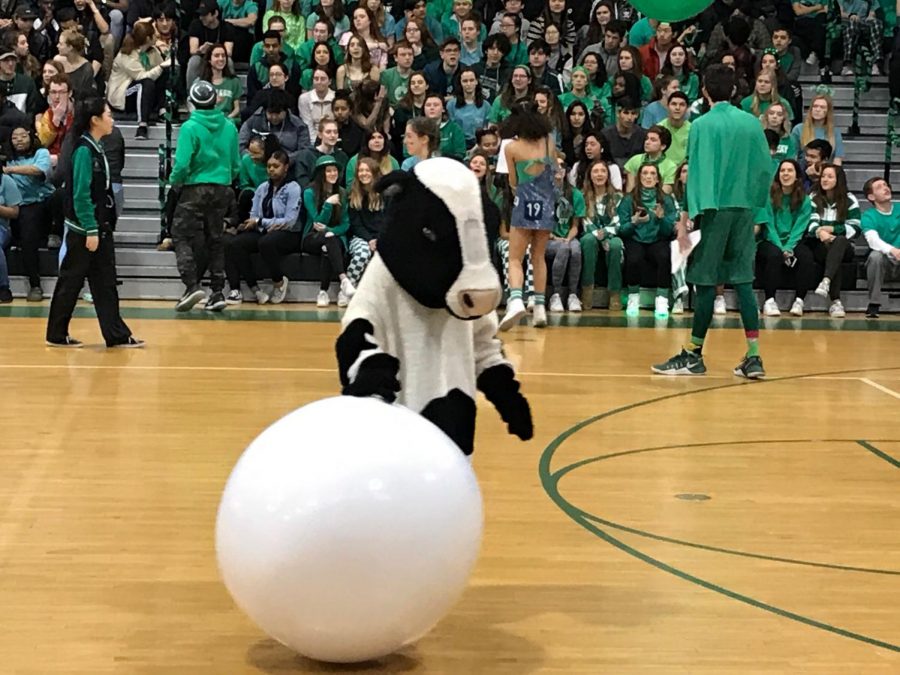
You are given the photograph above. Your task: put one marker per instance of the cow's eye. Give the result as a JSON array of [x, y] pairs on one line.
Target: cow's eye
[[429, 234]]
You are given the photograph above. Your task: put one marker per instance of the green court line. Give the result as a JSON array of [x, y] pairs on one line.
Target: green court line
[[550, 483], [558, 475], [564, 320], [880, 453]]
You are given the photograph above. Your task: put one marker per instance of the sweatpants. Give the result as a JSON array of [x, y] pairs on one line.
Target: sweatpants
[[360, 254], [560, 256], [527, 269], [198, 228], [880, 266], [99, 268], [613, 249]]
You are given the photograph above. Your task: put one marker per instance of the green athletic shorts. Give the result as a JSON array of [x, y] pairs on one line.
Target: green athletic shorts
[[727, 248]]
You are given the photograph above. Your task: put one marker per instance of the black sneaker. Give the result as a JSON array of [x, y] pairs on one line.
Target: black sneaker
[[751, 368], [685, 363], [142, 134], [189, 299], [872, 310], [5, 296], [67, 342], [216, 302], [131, 343]]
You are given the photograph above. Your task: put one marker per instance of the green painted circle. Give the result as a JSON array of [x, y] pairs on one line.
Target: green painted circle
[[550, 482]]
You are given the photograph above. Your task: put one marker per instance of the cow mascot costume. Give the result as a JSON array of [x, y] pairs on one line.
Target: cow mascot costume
[[421, 327]]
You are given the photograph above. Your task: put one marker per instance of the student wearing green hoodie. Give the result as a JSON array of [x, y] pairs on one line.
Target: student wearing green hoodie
[[781, 248], [206, 164], [326, 226]]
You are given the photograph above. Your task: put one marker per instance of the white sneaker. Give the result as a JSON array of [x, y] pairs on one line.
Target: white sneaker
[[824, 287], [556, 303], [770, 308], [343, 300], [574, 303], [719, 306], [797, 307], [847, 70], [678, 306], [261, 297], [836, 311], [515, 310], [876, 71], [540, 316], [662, 306], [279, 292], [812, 59], [234, 297], [321, 299], [347, 288], [530, 303], [633, 307]]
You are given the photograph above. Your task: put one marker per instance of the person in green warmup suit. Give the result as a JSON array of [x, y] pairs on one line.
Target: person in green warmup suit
[[729, 175]]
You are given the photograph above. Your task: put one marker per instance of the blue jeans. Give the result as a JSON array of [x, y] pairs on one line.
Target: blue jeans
[[5, 237]]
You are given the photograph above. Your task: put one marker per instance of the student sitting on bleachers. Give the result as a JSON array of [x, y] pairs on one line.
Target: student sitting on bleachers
[[563, 250], [275, 119], [601, 227], [273, 230], [656, 142], [819, 124], [217, 72], [366, 219], [781, 247], [833, 223], [881, 225]]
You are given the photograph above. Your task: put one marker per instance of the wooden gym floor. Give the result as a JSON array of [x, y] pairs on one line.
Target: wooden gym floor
[[652, 526]]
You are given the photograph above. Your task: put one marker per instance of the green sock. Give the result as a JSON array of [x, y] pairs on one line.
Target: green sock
[[752, 346], [705, 298], [538, 298], [515, 294]]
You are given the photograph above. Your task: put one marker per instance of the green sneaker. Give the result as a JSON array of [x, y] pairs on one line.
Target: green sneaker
[[751, 368], [685, 363]]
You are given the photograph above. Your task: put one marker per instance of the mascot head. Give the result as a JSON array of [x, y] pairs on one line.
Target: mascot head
[[434, 242]]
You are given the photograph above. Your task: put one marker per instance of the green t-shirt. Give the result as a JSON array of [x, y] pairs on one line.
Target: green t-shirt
[[886, 225], [568, 211], [677, 152], [229, 10], [295, 28], [395, 84], [667, 168], [251, 175], [227, 92], [568, 98]]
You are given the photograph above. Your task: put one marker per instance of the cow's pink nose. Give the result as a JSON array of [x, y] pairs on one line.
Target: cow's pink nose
[[479, 302]]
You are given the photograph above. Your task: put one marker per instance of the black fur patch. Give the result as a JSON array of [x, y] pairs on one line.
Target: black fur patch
[[377, 374], [454, 414]]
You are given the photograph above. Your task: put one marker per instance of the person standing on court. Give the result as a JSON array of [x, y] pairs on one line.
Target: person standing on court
[[206, 164], [90, 210], [729, 174]]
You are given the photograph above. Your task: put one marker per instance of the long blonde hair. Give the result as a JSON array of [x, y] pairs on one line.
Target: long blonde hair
[[774, 96], [362, 196], [809, 128], [785, 129]]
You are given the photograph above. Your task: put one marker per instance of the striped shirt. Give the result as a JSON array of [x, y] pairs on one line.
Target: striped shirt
[[828, 217]]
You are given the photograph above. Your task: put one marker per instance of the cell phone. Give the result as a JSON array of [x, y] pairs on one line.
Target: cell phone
[[641, 212]]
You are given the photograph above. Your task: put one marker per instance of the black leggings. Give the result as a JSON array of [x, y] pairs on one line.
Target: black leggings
[[773, 267], [146, 97], [331, 255], [272, 246], [831, 256], [639, 256], [30, 229]]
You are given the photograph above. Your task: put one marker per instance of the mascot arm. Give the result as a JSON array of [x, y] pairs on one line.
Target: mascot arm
[[365, 368], [497, 379]]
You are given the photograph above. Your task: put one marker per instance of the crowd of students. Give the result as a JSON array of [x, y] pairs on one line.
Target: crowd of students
[[337, 96]]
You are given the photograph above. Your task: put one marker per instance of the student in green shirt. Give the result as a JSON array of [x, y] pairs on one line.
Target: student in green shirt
[[782, 248], [295, 24], [453, 140], [228, 87], [601, 230], [321, 32], [251, 174], [646, 225], [518, 88], [765, 93], [326, 226], [241, 14], [677, 125], [777, 119], [563, 250], [679, 66], [580, 90], [656, 143], [881, 226]]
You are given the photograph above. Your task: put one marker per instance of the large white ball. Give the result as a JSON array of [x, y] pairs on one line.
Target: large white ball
[[349, 528]]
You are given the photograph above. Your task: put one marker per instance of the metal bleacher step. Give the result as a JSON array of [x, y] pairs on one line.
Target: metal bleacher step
[[843, 97], [134, 222], [156, 135]]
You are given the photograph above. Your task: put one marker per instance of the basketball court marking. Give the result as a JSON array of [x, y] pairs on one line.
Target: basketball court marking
[[880, 387], [550, 481]]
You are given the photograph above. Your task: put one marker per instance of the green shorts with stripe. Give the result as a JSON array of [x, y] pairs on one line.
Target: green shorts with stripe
[[727, 248]]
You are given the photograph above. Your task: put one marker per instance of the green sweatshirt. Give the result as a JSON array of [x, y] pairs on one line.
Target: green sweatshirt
[[207, 150], [453, 141], [785, 228], [655, 229], [604, 218], [323, 215], [251, 175]]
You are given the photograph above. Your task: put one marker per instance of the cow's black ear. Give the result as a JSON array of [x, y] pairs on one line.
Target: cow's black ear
[[395, 183]]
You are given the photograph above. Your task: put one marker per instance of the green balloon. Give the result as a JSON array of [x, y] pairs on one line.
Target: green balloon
[[670, 10]]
